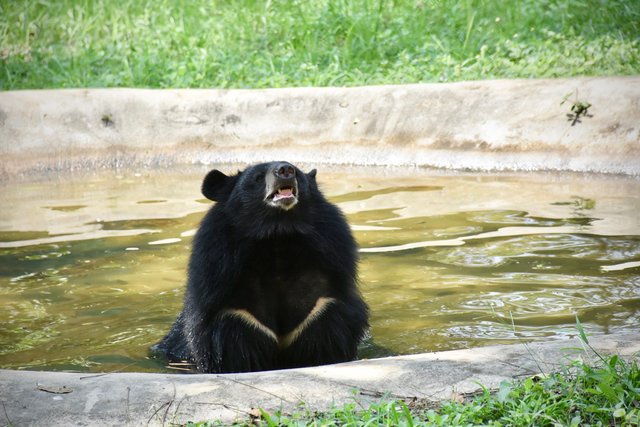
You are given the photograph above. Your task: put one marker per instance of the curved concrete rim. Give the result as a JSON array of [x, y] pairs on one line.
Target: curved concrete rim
[[58, 398], [518, 125], [479, 125]]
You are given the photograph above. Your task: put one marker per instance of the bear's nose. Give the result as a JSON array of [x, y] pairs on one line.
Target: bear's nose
[[285, 171]]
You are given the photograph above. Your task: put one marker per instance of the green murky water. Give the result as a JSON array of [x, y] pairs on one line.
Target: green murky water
[[92, 267]]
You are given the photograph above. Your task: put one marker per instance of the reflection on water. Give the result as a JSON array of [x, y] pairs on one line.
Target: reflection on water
[[92, 268]]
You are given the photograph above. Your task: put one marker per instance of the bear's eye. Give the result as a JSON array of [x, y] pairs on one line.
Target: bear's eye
[[260, 177]]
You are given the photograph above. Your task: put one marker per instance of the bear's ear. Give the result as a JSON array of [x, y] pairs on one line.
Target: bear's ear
[[215, 185], [312, 174]]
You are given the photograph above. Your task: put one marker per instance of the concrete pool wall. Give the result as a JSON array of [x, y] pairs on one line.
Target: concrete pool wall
[[481, 125], [486, 125], [119, 399]]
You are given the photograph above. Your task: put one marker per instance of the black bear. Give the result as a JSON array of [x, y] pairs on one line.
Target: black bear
[[272, 277]]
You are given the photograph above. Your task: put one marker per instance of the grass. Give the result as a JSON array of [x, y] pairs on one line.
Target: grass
[[276, 43], [581, 395]]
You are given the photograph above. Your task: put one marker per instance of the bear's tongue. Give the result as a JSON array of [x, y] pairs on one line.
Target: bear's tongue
[[283, 193]]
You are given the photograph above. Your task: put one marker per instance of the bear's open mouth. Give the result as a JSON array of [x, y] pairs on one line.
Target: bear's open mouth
[[284, 193], [284, 197]]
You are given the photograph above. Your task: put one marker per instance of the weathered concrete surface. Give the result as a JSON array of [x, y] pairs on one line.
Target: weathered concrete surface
[[488, 125], [484, 125], [157, 399]]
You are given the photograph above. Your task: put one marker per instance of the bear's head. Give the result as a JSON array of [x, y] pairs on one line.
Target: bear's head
[[265, 193]]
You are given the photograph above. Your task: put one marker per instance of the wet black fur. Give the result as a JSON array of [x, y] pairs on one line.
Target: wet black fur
[[275, 264]]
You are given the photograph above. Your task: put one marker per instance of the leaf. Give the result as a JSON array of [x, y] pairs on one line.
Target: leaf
[[613, 362], [265, 416], [581, 333], [564, 98], [407, 414], [619, 413], [54, 389], [503, 393], [576, 421], [609, 393]]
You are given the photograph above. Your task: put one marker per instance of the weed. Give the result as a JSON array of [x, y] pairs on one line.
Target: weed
[[578, 108]]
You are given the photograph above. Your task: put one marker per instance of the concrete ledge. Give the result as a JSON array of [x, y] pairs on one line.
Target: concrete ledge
[[159, 399], [483, 125], [487, 125]]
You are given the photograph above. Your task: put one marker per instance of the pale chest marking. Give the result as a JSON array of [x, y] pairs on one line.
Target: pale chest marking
[[286, 340]]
